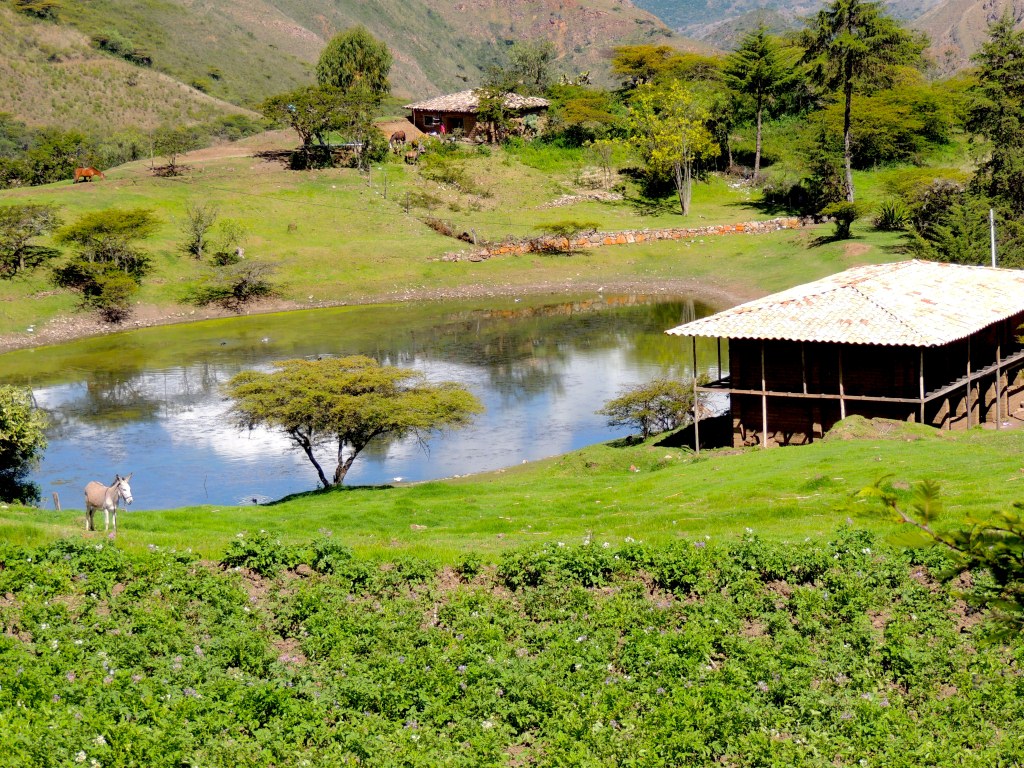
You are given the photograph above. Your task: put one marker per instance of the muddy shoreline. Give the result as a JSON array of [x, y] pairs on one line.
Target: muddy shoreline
[[79, 326]]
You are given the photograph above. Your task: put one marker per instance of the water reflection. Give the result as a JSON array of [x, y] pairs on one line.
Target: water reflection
[[150, 401]]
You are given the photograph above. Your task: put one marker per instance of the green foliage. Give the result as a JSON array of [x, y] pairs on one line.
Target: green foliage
[[850, 44], [233, 283], [355, 58], [19, 225], [349, 401], [260, 553], [199, 220], [22, 442], [566, 230], [701, 653], [40, 9], [114, 42], [892, 216], [108, 265], [172, 141], [759, 71], [657, 406], [529, 68], [844, 214], [993, 545], [668, 130]]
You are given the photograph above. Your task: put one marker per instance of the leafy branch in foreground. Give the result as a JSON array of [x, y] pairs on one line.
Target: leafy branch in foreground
[[994, 545]]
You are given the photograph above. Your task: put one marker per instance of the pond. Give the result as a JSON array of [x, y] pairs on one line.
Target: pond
[[150, 401]]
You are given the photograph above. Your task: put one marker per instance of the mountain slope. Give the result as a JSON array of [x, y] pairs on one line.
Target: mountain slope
[[49, 75], [246, 50], [957, 27]]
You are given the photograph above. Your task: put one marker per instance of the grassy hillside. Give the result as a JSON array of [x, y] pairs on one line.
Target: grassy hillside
[[246, 50], [336, 237], [50, 75], [786, 493]]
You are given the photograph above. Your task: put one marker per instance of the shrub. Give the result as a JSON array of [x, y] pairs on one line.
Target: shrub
[[844, 214], [234, 284], [657, 406], [260, 553], [892, 216], [330, 556]]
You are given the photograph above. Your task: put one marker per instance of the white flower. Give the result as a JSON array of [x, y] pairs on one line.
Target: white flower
[[80, 757], [99, 741], [487, 724]]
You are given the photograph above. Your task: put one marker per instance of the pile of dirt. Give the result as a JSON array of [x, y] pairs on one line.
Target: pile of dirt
[[860, 428]]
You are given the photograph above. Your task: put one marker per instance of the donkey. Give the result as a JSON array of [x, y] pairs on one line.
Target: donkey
[[100, 496], [87, 174]]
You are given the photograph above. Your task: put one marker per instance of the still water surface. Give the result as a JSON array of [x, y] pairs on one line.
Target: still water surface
[[150, 401]]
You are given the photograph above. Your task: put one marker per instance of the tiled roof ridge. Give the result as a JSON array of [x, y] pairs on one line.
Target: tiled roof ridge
[[890, 313]]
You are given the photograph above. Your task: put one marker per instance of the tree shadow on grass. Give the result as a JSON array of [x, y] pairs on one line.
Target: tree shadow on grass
[[325, 492], [626, 442]]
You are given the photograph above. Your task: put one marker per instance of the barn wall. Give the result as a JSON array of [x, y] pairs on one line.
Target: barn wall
[[868, 370]]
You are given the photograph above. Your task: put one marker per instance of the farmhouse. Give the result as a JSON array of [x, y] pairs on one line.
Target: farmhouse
[[916, 341], [457, 111]]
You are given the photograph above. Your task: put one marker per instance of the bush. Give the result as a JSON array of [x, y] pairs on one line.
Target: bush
[[657, 406], [893, 215], [260, 553], [844, 214], [234, 284]]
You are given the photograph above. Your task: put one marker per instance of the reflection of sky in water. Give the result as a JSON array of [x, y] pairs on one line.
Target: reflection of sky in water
[[170, 427]]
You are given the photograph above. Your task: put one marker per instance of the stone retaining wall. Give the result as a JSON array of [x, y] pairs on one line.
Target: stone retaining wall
[[626, 237]]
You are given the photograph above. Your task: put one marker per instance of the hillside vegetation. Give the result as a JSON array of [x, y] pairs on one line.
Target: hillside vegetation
[[247, 50], [50, 75]]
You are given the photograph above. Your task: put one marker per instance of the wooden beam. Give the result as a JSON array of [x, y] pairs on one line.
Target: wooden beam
[[803, 364], [920, 372], [842, 393], [999, 383], [719, 339], [764, 403], [696, 414], [812, 395], [968, 382]]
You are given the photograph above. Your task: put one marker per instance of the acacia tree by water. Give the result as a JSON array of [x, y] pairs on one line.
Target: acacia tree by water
[[347, 402]]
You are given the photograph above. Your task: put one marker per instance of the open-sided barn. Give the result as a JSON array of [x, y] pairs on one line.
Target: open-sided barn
[[917, 341]]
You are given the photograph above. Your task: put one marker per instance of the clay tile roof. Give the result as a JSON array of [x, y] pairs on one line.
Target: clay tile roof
[[468, 101], [913, 303]]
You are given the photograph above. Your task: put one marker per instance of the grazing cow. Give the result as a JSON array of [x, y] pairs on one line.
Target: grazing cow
[[87, 174], [99, 496], [397, 141]]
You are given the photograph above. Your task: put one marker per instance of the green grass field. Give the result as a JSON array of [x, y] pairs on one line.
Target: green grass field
[[788, 493], [336, 238]]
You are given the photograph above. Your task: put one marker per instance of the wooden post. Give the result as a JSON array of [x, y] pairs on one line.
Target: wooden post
[[56, 501], [920, 373], [999, 384], [968, 382], [719, 358], [696, 415], [764, 402], [803, 364], [842, 391]]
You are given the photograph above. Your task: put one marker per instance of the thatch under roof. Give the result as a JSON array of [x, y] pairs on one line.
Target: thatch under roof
[[911, 303], [469, 102]]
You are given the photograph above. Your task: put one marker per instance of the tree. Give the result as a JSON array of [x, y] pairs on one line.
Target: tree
[[355, 57], [997, 115], [530, 66], [172, 142], [199, 220], [347, 402], [22, 442], [852, 43], [640, 64], [312, 112], [667, 126], [655, 407], [759, 71], [19, 225], [108, 266]]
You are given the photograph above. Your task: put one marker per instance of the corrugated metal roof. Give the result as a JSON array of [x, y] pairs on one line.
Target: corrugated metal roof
[[914, 303], [468, 101]]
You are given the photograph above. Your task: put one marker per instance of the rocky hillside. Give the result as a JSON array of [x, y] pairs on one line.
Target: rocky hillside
[[245, 50], [956, 27]]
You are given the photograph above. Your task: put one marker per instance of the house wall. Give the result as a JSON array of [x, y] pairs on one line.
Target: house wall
[[451, 121], [869, 370]]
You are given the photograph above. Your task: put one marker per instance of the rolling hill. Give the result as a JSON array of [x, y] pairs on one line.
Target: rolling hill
[[50, 75], [245, 50]]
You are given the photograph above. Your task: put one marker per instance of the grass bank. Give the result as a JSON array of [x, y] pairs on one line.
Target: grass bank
[[605, 493]]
